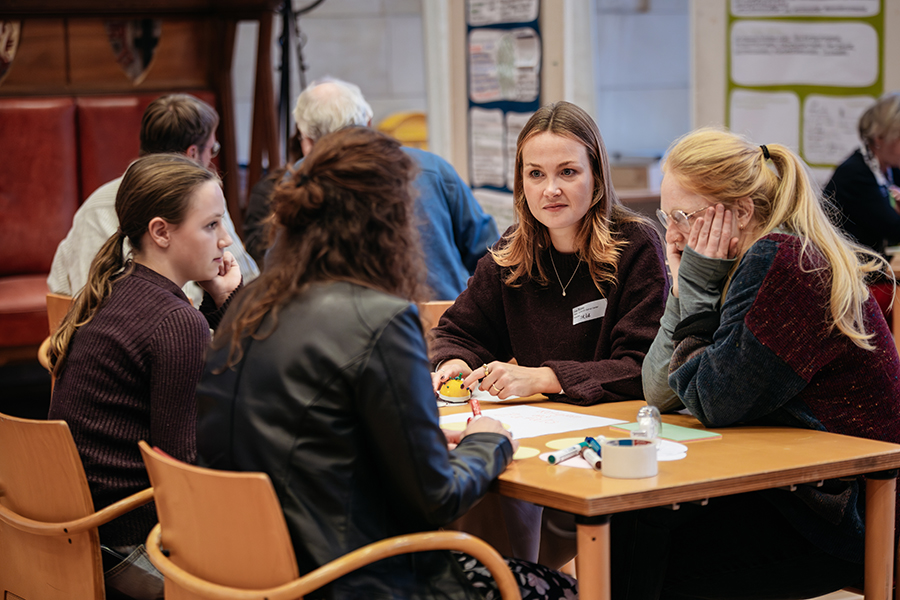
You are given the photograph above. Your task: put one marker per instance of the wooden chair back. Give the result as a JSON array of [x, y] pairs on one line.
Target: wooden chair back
[[57, 307], [49, 547], [224, 537], [220, 526], [430, 312]]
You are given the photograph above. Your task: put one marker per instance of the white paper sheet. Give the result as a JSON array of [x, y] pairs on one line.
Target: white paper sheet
[[532, 421], [804, 8], [767, 117], [789, 53], [488, 12], [830, 127], [486, 136], [504, 64]]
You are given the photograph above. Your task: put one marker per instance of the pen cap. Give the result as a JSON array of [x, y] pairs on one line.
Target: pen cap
[[649, 424]]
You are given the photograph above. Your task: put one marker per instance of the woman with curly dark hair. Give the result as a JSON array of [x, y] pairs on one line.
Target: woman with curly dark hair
[[319, 377]]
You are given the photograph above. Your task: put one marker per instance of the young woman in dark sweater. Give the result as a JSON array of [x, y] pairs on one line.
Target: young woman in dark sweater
[[128, 355], [574, 291]]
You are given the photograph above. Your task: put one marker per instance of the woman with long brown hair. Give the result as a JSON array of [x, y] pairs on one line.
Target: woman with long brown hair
[[573, 291], [128, 354], [319, 377]]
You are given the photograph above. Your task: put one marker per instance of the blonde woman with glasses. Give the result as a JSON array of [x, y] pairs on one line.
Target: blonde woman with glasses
[[769, 322]]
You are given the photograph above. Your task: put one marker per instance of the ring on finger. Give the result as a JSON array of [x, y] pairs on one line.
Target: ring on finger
[[495, 388], [486, 370]]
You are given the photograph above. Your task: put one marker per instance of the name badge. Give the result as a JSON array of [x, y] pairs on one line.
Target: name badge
[[589, 312]]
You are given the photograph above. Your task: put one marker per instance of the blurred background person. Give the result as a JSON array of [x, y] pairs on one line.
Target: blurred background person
[[454, 231], [864, 187]]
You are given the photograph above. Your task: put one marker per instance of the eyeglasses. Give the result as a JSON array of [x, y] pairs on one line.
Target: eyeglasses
[[215, 150], [678, 218]]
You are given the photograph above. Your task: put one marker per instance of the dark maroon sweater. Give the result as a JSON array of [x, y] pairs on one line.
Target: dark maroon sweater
[[130, 375], [596, 360]]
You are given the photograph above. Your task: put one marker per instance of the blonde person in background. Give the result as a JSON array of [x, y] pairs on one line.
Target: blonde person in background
[[769, 322], [864, 188], [128, 355]]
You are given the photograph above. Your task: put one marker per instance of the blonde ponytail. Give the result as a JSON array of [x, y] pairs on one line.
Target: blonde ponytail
[[726, 167], [109, 261]]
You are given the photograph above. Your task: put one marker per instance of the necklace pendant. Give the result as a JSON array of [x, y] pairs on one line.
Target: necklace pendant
[[564, 293]]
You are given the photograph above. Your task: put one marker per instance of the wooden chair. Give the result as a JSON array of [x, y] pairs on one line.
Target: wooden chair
[[225, 537], [57, 307], [49, 547], [430, 312]]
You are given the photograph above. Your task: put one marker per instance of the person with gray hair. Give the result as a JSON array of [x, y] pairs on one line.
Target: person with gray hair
[[453, 228], [864, 187]]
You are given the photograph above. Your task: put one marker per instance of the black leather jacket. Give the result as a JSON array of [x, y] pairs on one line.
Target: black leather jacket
[[336, 405]]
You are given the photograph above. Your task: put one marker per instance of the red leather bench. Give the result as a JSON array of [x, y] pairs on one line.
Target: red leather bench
[[55, 153], [39, 194]]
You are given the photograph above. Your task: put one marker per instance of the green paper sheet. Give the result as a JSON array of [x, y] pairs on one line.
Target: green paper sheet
[[676, 433]]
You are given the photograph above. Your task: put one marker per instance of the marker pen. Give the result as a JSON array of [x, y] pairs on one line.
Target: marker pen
[[591, 457], [565, 454], [594, 444], [476, 409]]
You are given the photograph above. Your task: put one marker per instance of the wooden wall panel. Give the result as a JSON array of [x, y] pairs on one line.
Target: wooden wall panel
[[74, 56], [40, 62], [181, 59]]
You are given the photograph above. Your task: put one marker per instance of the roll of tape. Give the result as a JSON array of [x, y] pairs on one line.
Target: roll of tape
[[629, 458]]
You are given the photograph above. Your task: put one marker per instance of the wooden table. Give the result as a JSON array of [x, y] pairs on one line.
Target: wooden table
[[745, 459]]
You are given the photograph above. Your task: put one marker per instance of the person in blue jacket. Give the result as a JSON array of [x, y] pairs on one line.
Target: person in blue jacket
[[453, 228]]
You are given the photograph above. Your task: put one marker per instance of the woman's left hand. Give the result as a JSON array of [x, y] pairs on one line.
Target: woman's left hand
[[714, 235], [504, 380], [229, 277]]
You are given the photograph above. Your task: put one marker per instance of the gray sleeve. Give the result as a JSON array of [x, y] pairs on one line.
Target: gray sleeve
[[655, 370], [700, 282]]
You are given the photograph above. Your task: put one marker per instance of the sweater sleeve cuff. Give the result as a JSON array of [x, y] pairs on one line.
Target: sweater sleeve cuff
[[700, 282], [213, 313]]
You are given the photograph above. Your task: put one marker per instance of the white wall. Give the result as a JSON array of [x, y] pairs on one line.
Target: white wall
[[641, 63], [642, 74], [376, 44]]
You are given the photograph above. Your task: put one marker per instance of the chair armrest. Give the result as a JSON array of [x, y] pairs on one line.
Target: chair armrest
[[85, 523], [403, 544], [43, 355]]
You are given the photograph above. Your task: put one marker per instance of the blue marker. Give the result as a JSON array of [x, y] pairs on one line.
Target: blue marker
[[565, 454]]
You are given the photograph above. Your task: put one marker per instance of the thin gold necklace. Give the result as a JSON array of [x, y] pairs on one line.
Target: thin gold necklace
[[558, 278]]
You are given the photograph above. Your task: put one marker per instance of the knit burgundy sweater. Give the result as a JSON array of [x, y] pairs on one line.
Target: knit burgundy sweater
[[595, 359], [130, 375]]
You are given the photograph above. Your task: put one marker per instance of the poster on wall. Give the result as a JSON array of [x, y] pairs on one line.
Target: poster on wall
[[801, 72], [504, 80]]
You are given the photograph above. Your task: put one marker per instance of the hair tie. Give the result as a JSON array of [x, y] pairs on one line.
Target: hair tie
[[302, 179], [119, 232], [765, 151]]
